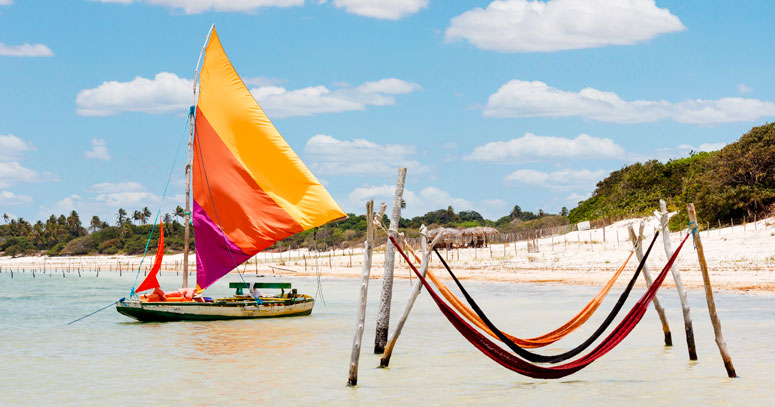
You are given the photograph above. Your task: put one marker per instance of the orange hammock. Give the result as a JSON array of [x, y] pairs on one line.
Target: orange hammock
[[538, 341]]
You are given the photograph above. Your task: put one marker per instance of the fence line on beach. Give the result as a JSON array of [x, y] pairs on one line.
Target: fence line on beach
[[552, 239]]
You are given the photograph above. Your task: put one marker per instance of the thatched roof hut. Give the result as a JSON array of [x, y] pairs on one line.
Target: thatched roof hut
[[449, 237], [480, 231], [478, 236]]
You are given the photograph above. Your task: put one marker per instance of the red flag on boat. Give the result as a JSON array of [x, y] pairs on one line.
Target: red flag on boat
[[150, 280]]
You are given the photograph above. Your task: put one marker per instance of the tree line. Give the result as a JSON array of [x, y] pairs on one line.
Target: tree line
[[66, 235], [735, 182]]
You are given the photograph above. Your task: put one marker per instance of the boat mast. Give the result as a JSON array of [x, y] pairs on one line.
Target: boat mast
[[187, 218], [192, 116]]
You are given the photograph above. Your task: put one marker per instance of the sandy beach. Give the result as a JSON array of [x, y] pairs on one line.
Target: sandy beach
[[739, 258]]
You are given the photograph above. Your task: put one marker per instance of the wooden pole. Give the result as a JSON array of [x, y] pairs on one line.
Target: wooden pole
[[636, 240], [365, 271], [714, 319], [383, 317], [412, 297], [679, 285]]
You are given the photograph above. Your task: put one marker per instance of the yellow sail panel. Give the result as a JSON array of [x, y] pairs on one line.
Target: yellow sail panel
[[248, 133]]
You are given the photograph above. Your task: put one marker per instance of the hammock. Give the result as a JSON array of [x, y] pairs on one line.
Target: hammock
[[538, 341], [514, 363], [534, 357]]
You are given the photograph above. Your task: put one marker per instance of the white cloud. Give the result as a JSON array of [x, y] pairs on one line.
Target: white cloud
[[201, 6], [105, 198], [705, 147], [25, 50], [12, 172], [123, 194], [331, 156], [531, 147], [382, 9], [110, 187], [564, 179], [743, 88], [165, 93], [576, 198], [429, 199], [9, 198], [6, 2], [12, 147], [280, 102], [519, 98], [668, 153], [538, 26], [99, 150]]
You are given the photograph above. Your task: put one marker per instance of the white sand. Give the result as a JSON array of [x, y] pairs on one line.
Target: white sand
[[739, 258]]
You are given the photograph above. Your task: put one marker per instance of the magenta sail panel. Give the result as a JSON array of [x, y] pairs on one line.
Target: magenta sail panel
[[216, 254]]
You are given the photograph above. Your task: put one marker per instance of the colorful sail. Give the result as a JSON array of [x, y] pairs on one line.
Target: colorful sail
[[250, 187], [150, 280]]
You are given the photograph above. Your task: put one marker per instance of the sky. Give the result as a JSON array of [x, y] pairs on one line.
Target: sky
[[489, 104]]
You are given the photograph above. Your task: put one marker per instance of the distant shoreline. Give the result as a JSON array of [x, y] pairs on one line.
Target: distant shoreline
[[740, 258]]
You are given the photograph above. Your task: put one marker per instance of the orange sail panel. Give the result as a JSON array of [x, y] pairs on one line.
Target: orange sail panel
[[250, 187], [150, 280]]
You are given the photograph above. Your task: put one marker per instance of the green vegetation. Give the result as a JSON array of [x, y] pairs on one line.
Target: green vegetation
[[66, 235], [735, 182]]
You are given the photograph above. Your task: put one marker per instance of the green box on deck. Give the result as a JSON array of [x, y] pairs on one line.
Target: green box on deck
[[240, 286]]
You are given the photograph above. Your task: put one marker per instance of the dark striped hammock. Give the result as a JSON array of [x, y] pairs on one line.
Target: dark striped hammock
[[521, 366], [535, 357]]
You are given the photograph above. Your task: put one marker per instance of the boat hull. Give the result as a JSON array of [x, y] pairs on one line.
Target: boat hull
[[219, 310]]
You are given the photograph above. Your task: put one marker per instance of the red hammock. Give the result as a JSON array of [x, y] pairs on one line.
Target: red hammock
[[514, 363]]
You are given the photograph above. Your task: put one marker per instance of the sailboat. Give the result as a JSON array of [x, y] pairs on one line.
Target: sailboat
[[250, 190]]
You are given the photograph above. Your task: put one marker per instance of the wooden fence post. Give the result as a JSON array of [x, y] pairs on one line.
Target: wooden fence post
[[679, 286], [636, 243], [714, 319], [385, 360], [365, 271], [383, 317]]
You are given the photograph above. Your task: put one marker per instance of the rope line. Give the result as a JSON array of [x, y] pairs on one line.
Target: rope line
[[132, 293], [101, 309]]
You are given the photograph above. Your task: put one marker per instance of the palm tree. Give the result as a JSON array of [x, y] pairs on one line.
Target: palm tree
[[137, 215], [180, 212], [95, 224], [6, 217], [146, 215], [120, 217], [74, 224]]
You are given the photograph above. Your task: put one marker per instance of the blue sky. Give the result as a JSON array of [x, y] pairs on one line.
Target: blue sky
[[488, 103]]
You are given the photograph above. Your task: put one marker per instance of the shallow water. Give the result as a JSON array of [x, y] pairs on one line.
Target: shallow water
[[107, 359]]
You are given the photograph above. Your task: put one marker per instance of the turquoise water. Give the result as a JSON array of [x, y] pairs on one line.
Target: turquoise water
[[108, 359]]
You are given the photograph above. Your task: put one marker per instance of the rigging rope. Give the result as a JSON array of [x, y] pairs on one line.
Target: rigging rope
[[121, 300], [518, 365], [132, 293]]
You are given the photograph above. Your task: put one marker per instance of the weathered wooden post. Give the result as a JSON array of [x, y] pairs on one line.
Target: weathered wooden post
[[383, 317], [714, 319], [636, 240], [426, 253], [365, 271], [679, 285]]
